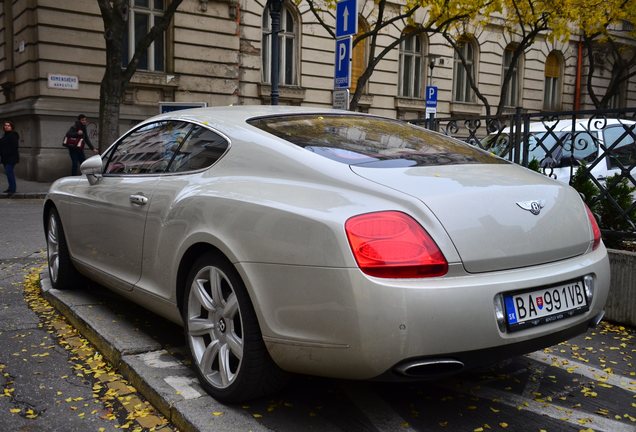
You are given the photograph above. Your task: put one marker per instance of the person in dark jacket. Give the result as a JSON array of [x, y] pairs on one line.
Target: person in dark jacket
[[9, 154], [78, 130]]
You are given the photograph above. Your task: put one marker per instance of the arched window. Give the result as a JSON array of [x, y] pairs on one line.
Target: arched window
[[511, 97], [359, 55], [288, 37], [552, 86], [411, 64], [461, 86]]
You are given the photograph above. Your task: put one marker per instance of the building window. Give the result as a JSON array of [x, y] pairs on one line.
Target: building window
[[552, 86], [461, 86], [511, 98], [288, 38], [143, 15], [618, 99], [411, 71]]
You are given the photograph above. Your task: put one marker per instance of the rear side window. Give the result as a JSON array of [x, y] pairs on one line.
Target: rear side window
[[582, 145], [200, 149], [623, 147], [372, 141]]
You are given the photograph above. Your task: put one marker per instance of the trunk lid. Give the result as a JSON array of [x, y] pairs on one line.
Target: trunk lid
[[486, 211]]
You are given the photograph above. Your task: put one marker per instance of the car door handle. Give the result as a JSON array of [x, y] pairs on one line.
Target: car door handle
[[138, 199]]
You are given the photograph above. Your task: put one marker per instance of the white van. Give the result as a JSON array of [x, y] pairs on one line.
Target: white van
[[569, 142]]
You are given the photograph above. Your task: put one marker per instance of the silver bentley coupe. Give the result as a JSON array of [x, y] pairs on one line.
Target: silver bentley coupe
[[325, 242]]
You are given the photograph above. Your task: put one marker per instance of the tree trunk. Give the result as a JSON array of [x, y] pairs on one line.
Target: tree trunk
[[116, 78], [109, 106]]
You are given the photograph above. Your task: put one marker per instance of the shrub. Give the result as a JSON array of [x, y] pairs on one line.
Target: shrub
[[616, 204], [586, 187]]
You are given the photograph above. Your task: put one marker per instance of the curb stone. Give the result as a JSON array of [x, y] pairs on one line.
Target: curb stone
[[162, 377]]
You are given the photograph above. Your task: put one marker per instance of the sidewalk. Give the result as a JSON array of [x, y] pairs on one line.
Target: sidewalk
[[25, 189]]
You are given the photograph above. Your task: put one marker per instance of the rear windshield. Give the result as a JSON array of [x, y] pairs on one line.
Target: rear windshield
[[372, 141]]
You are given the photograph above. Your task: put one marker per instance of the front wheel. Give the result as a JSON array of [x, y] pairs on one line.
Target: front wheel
[[223, 334], [62, 273]]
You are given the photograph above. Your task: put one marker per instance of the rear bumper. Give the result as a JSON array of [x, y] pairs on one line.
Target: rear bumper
[[340, 323], [438, 367]]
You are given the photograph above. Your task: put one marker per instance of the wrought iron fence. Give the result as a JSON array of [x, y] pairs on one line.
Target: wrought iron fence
[[593, 151]]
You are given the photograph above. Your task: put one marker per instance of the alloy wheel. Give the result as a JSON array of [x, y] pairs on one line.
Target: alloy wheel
[[214, 327], [53, 247]]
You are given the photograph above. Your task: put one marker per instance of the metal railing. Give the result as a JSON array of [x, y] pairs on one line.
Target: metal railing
[[593, 151]]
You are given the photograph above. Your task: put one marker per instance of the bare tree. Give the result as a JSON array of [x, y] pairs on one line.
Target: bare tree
[[622, 59], [524, 20], [434, 20], [119, 71]]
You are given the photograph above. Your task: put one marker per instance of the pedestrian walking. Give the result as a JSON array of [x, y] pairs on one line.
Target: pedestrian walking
[[78, 130], [9, 154]]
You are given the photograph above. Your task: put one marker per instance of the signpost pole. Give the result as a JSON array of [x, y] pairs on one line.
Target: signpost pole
[[346, 27]]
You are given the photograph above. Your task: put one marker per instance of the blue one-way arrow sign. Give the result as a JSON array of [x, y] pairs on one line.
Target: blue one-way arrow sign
[[346, 18]]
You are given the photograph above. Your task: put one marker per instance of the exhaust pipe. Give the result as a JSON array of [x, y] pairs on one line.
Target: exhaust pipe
[[429, 368]]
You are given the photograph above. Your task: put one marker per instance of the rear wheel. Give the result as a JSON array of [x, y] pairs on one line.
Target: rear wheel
[[62, 273], [223, 334]]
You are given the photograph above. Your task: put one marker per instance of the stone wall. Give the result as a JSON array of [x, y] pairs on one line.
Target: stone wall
[[621, 303]]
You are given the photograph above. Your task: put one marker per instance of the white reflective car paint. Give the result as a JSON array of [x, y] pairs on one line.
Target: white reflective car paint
[[270, 216]]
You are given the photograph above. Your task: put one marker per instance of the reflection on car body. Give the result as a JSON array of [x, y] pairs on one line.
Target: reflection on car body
[[315, 241]]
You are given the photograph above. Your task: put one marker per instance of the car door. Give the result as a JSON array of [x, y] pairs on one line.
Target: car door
[[174, 202], [109, 217]]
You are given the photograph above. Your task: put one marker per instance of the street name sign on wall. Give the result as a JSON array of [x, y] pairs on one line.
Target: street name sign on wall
[[63, 82], [342, 69]]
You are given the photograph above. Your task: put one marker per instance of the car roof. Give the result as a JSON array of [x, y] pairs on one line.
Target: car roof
[[239, 114]]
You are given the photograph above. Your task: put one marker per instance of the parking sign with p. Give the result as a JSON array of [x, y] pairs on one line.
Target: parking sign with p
[[342, 76]]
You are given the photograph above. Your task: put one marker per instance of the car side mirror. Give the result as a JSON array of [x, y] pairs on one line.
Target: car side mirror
[[92, 169]]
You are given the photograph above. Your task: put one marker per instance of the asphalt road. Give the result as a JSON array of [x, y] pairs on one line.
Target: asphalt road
[[44, 362], [586, 384]]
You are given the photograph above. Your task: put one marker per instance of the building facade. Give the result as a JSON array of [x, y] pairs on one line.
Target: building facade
[[217, 52]]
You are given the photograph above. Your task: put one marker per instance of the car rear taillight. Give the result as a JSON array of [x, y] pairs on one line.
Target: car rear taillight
[[390, 244], [596, 231]]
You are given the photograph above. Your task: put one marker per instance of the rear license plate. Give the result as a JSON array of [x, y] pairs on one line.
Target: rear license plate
[[541, 306]]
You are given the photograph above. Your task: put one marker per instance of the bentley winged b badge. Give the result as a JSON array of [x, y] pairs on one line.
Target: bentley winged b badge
[[533, 207]]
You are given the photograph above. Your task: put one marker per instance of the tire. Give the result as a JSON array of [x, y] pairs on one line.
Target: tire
[[62, 273], [223, 335]]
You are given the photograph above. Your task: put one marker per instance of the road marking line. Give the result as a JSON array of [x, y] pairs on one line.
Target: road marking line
[[534, 380], [379, 413], [591, 372], [182, 385], [572, 416]]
